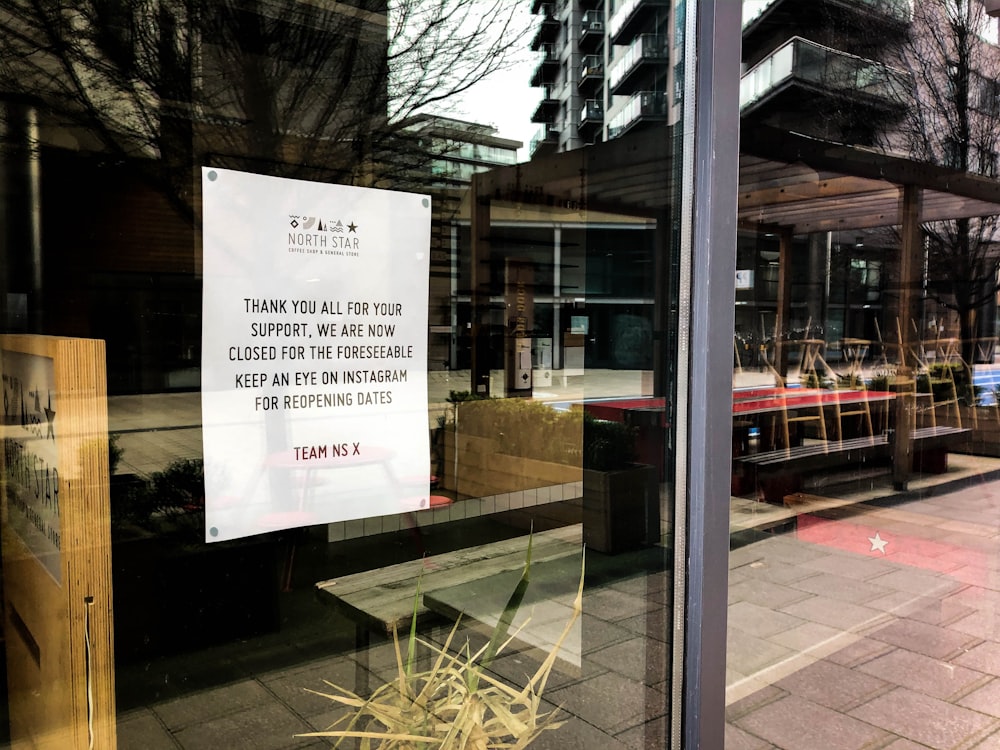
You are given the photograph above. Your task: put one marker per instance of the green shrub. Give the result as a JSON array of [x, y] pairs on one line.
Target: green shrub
[[607, 446], [522, 427]]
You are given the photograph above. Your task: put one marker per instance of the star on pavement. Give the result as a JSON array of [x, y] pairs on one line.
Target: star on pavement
[[878, 543], [352, 227]]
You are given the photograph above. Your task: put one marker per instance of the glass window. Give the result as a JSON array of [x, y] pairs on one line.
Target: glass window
[[863, 450], [319, 373]]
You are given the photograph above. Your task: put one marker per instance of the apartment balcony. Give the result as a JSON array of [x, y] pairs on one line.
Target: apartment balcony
[[591, 74], [591, 30], [646, 56], [547, 68], [763, 18], [547, 108], [633, 17], [546, 141], [591, 118], [547, 31], [643, 108], [800, 75]]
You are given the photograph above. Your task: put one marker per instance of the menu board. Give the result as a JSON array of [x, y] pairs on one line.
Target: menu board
[[31, 456], [314, 352]]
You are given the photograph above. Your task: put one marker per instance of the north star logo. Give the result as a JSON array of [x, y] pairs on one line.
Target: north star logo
[[315, 235], [317, 224]]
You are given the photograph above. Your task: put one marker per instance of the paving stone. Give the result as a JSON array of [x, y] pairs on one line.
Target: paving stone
[[919, 672], [267, 727], [576, 733], [652, 735], [923, 638], [985, 700], [612, 605], [737, 739], [918, 582], [794, 723], [834, 613], [748, 654], [859, 652], [807, 636], [842, 588], [765, 593], [990, 743], [760, 621], [923, 719], [657, 625], [984, 657], [597, 633], [984, 624], [850, 566], [293, 689], [141, 730], [209, 704], [609, 701], [832, 685], [638, 658]]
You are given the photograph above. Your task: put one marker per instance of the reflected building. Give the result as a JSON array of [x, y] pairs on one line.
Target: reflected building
[[877, 74], [604, 69]]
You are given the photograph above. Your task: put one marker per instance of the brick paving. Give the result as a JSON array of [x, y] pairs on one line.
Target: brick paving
[[909, 653]]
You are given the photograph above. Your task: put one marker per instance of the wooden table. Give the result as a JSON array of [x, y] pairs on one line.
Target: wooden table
[[382, 600], [546, 609]]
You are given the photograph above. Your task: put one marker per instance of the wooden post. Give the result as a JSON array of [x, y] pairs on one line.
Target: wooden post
[[909, 281], [783, 321], [480, 229], [56, 543]]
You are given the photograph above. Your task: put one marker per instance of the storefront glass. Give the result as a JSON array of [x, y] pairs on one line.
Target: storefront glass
[[317, 382], [863, 509]]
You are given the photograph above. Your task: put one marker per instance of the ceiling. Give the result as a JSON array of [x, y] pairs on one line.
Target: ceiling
[[793, 181], [786, 180]]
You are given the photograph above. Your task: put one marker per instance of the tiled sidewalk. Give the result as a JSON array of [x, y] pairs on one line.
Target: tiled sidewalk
[[833, 644], [615, 701]]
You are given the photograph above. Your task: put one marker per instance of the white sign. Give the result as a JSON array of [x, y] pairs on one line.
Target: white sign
[[314, 353], [31, 455], [744, 278]]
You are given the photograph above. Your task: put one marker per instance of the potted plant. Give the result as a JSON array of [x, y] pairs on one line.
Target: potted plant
[[455, 703], [620, 496]]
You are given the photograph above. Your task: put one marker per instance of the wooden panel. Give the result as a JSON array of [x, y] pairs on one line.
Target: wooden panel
[[57, 617]]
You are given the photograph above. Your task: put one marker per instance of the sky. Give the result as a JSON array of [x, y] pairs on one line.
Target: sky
[[506, 99]]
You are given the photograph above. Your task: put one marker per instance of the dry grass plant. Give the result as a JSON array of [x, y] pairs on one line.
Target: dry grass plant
[[456, 704]]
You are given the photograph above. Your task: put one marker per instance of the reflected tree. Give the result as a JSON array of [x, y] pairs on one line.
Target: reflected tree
[[952, 122], [318, 90]]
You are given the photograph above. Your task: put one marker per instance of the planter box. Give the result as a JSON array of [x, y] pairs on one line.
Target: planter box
[[985, 426], [482, 470], [169, 599], [621, 509]]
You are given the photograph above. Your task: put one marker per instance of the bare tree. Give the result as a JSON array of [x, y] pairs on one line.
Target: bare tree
[[953, 122], [304, 88]]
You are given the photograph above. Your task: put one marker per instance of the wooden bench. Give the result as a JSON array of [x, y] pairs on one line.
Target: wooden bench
[[931, 445], [779, 472]]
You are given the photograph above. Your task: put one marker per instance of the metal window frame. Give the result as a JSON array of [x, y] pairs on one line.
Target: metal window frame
[[708, 232]]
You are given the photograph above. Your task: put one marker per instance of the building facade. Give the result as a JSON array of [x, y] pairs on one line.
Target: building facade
[[605, 69]]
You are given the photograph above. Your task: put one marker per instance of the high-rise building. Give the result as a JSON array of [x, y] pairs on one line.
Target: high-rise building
[[605, 68]]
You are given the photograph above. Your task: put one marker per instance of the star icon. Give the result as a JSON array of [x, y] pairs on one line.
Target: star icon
[[878, 543], [352, 227]]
